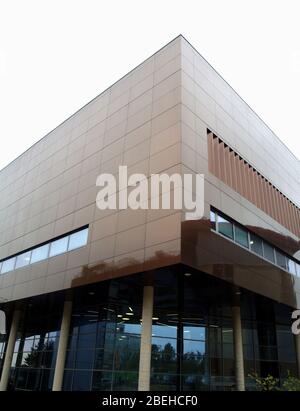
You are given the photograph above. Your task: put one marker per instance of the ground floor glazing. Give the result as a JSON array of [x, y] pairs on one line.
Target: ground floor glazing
[[192, 342]]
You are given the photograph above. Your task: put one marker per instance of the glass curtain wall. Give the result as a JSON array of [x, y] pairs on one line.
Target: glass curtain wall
[[269, 346], [104, 341], [192, 341], [36, 345], [2, 351], [192, 336]]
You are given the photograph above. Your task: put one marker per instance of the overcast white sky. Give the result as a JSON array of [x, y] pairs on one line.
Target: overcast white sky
[[55, 56]]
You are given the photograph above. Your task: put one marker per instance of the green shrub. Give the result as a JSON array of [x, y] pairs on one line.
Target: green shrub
[[291, 383], [268, 383], [271, 383]]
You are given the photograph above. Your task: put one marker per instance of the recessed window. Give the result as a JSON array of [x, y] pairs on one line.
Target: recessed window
[[292, 266], [40, 253], [241, 236], [213, 219], [23, 259], [280, 259], [269, 252], [225, 227], [8, 265], [78, 239], [59, 246], [256, 244]]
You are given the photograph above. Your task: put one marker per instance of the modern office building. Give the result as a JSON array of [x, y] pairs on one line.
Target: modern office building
[[146, 299]]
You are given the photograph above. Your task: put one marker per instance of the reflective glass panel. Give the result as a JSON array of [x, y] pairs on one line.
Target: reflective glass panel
[[39, 254], [164, 330], [196, 348], [8, 265], [84, 359], [213, 219], [102, 381], [256, 244], [241, 236], [269, 252], [23, 259], [225, 227], [125, 381], [280, 259], [227, 351], [163, 382], [195, 382], [291, 266], [164, 345], [191, 332], [78, 239], [59, 246], [227, 335], [82, 381], [130, 328]]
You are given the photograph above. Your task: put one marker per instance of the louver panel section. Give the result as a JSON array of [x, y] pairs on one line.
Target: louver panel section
[[238, 174]]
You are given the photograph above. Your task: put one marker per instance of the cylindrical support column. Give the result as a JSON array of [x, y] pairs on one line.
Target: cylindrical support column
[[238, 348], [146, 337], [62, 345], [10, 349], [297, 346]]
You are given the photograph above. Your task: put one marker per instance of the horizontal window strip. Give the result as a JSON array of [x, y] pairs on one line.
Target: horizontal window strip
[[51, 248], [243, 237]]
